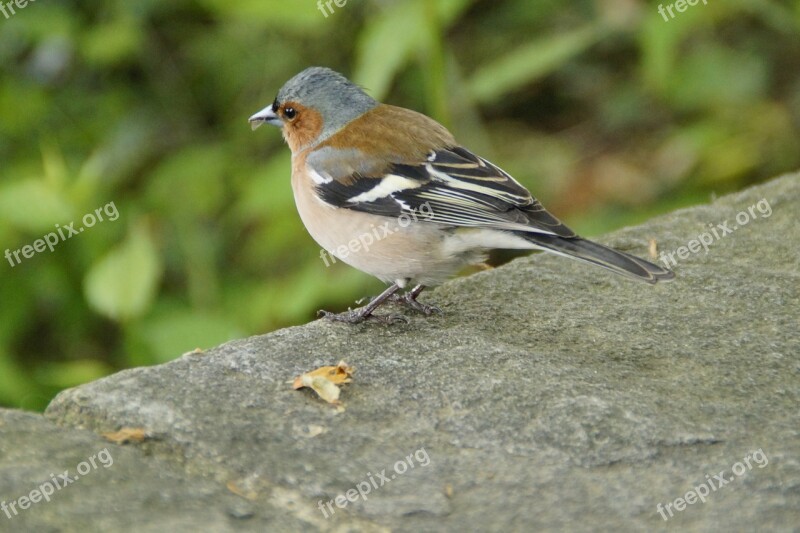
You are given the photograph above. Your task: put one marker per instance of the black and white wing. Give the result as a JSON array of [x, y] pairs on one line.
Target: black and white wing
[[452, 187]]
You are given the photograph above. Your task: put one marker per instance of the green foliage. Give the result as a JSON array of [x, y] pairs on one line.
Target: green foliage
[[122, 285], [531, 61], [606, 111]]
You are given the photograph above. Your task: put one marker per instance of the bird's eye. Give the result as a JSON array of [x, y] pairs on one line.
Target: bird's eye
[[289, 112]]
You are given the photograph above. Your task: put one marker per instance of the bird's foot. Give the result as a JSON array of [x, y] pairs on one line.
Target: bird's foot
[[358, 316], [409, 299]]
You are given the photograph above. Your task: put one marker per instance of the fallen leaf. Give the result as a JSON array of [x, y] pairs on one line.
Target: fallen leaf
[[338, 374], [247, 494], [653, 249], [309, 431], [324, 387], [448, 490], [324, 381], [126, 435]]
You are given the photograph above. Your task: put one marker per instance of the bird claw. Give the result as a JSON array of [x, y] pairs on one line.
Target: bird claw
[[350, 317], [355, 317], [425, 309], [409, 301], [390, 319]]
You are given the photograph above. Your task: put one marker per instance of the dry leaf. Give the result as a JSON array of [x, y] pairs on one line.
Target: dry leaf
[[324, 381], [324, 387], [126, 435], [247, 494], [310, 431], [653, 249], [338, 374]]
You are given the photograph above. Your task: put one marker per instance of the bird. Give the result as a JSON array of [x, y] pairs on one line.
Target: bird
[[429, 205]]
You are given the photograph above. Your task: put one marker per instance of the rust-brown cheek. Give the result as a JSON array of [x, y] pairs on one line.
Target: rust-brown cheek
[[305, 127]]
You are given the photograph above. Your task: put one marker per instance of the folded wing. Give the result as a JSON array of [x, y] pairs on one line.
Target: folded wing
[[452, 186]]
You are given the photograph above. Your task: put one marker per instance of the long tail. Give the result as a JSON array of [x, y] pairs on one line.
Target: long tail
[[597, 254]]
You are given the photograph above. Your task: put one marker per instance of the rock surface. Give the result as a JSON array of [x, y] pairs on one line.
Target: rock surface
[[549, 396]]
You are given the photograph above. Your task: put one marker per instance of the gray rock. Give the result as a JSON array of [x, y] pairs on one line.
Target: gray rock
[[97, 486], [548, 396]]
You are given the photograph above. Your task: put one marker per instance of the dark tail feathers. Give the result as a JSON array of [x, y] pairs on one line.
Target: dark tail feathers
[[597, 254]]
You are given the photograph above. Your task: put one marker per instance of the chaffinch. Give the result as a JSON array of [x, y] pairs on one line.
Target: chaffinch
[[361, 169]]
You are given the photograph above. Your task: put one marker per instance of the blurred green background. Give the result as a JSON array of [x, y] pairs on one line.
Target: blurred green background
[[606, 111]]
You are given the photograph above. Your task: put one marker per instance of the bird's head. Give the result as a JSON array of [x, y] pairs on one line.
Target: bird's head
[[313, 105]]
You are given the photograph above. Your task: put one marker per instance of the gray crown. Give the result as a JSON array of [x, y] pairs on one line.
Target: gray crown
[[335, 97]]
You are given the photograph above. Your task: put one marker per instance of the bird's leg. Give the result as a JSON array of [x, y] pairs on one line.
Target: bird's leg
[[354, 317], [410, 299]]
